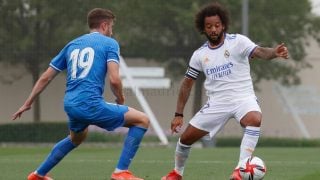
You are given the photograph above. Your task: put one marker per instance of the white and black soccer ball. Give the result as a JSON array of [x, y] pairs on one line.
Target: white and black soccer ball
[[252, 168]]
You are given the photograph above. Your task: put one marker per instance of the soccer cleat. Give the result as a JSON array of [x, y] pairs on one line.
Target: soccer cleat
[[236, 175], [173, 175], [34, 176], [124, 175]]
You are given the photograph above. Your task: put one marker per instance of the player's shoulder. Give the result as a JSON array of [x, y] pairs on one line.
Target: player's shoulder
[[107, 38], [110, 41], [230, 36], [77, 39], [202, 47], [201, 50], [235, 37]]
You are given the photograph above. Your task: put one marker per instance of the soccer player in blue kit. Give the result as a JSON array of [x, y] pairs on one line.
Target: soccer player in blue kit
[[88, 59]]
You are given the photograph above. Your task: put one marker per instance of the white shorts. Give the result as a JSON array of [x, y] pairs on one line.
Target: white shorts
[[214, 114]]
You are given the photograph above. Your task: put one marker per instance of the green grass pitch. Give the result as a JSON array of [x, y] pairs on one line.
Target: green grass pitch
[[151, 163]]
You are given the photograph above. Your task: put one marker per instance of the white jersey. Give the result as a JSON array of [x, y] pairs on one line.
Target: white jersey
[[226, 68]]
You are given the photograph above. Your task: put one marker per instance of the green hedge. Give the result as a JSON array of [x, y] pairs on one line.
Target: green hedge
[[33, 132], [48, 132], [55, 131], [270, 142]]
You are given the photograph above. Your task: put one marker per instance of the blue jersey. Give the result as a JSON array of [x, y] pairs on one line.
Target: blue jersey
[[85, 59]]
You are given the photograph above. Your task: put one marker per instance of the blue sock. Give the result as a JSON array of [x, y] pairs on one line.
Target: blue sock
[[57, 153], [130, 147]]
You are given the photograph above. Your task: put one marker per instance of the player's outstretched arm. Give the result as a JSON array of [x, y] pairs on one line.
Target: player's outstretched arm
[[270, 53], [183, 97], [40, 85]]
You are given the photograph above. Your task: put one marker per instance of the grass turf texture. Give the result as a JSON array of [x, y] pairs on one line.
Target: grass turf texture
[[96, 163]]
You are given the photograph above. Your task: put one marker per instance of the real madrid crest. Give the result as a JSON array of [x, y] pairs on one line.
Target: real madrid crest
[[226, 54]]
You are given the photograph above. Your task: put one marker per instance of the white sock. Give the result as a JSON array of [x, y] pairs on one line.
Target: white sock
[[249, 141], [119, 170], [181, 155], [35, 172]]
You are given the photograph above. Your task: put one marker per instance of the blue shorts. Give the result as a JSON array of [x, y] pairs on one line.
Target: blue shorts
[[102, 114]]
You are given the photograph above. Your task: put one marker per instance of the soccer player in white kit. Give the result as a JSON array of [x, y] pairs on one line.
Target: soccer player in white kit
[[224, 60]]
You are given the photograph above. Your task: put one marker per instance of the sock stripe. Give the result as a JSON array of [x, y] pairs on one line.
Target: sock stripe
[[252, 132]]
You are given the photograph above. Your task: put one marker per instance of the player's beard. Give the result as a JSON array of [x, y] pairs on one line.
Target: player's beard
[[215, 40]]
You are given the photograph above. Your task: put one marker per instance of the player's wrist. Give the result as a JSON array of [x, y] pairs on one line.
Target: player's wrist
[[178, 114], [120, 100]]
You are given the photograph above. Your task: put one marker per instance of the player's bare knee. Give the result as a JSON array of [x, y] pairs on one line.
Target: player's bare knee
[[145, 122], [78, 138], [255, 122], [251, 119], [76, 142]]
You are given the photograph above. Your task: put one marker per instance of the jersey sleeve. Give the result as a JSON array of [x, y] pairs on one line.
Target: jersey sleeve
[[59, 62], [113, 53], [195, 61], [246, 46]]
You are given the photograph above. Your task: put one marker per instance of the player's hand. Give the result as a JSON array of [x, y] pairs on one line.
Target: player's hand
[[282, 51], [21, 110], [176, 124]]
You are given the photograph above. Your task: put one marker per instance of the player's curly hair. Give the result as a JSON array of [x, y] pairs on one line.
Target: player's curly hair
[[212, 9], [97, 15]]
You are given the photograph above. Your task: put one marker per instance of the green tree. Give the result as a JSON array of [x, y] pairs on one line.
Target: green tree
[[33, 31], [161, 31], [164, 31], [278, 21]]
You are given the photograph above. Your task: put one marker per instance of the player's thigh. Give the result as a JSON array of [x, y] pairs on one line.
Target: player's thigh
[[211, 120], [77, 118], [105, 115], [109, 116], [134, 117], [248, 112], [252, 118]]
